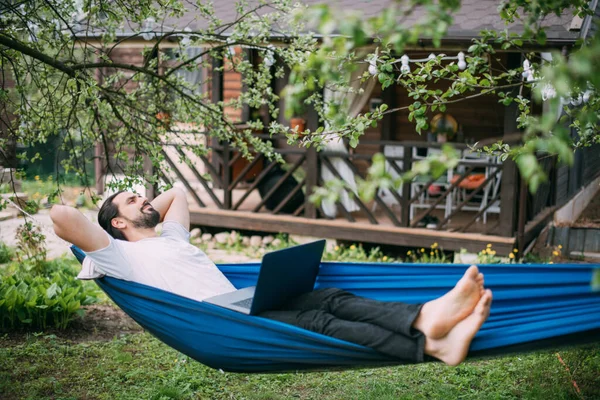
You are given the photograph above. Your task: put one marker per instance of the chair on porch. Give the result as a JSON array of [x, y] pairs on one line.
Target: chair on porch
[[474, 180], [424, 199], [427, 195]]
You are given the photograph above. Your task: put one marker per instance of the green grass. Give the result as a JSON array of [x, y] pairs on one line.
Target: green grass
[[137, 366]]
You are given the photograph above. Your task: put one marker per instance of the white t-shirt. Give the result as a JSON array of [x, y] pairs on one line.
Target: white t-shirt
[[168, 262]]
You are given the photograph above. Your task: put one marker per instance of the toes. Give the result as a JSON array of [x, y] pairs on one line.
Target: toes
[[485, 302], [480, 279], [472, 271]]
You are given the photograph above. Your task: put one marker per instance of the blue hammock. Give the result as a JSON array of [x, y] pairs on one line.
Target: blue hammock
[[531, 302]]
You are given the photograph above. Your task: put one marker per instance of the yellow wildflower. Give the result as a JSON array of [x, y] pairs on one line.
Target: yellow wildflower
[[560, 246], [550, 262], [384, 258], [422, 250], [489, 245], [409, 253], [511, 255], [352, 247], [555, 253], [516, 250], [431, 253], [337, 248], [433, 246], [37, 177], [493, 252]]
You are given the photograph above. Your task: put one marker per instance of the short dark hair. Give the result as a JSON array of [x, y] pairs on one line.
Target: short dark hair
[[108, 211]]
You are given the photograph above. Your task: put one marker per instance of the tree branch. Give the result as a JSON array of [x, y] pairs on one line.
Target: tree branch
[[20, 47]]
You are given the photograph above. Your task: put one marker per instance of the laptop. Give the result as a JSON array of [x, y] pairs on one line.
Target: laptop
[[284, 275]]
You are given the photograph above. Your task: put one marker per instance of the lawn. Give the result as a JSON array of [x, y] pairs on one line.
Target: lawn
[[97, 359], [137, 366]]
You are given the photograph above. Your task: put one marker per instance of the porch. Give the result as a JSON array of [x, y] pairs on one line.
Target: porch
[[262, 195]]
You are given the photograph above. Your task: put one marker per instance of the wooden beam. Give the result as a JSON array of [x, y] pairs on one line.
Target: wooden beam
[[536, 225], [339, 229], [216, 95], [406, 200], [509, 188], [312, 166], [388, 124]]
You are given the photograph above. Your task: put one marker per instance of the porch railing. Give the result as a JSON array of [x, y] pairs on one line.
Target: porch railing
[[234, 184]]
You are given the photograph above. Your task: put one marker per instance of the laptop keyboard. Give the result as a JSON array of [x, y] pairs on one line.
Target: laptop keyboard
[[246, 303]]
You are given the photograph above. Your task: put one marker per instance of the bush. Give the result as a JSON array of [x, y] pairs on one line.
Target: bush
[[431, 255], [356, 253], [31, 247], [6, 253], [33, 301]]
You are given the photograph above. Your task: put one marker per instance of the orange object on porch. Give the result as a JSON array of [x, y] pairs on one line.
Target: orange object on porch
[[471, 182]]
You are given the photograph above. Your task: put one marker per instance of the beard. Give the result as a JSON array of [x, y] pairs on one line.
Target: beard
[[149, 219]]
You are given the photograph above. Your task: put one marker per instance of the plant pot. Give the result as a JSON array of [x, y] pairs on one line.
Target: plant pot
[[165, 118], [298, 123]]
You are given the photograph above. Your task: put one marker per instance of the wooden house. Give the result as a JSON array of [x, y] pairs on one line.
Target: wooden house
[[461, 211]]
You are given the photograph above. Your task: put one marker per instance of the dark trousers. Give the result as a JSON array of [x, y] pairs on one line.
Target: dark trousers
[[383, 326]]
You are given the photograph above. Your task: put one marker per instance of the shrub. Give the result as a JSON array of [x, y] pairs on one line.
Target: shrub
[[34, 301], [31, 247], [6, 253], [432, 255], [356, 253]]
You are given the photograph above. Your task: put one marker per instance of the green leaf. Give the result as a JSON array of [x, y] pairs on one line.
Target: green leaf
[[527, 165], [541, 37], [53, 290]]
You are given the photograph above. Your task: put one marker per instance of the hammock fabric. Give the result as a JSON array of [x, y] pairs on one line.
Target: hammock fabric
[[531, 302]]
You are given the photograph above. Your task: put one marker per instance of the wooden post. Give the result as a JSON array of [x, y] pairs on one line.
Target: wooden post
[[149, 169], [388, 123], [522, 215], [216, 95], [99, 169], [249, 55], [510, 181], [313, 167], [226, 156], [405, 205]]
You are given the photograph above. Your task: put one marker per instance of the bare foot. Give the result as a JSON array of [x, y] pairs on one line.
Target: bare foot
[[453, 348], [439, 316]]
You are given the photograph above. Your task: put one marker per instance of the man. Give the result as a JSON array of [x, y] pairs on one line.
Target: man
[[442, 328]]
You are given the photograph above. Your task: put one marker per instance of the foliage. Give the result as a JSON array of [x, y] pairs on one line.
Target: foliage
[[140, 367], [38, 187], [57, 93], [33, 301], [546, 134], [6, 253], [356, 253], [488, 256], [433, 255], [31, 247]]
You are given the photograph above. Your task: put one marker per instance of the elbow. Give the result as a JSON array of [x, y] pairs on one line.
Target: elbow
[[180, 193], [56, 212], [59, 214]]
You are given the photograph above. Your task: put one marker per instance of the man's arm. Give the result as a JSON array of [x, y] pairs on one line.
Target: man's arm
[[173, 206], [71, 225]]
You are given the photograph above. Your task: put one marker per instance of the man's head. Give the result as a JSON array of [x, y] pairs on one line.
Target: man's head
[[126, 212]]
